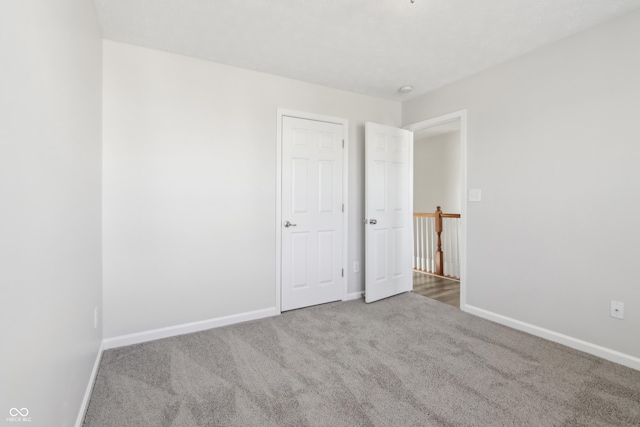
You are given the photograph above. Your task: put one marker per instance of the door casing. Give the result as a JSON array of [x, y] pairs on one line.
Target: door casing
[[281, 112]]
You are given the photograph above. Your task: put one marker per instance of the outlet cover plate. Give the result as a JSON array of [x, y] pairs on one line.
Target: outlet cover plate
[[475, 195], [617, 309]]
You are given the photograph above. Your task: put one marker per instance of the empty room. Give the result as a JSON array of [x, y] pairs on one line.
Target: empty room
[[208, 212]]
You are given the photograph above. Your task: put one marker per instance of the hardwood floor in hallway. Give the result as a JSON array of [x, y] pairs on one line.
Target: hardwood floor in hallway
[[438, 288]]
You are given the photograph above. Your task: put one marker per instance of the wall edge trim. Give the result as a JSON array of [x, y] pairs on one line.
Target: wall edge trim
[[575, 343], [354, 295], [87, 394], [187, 328]]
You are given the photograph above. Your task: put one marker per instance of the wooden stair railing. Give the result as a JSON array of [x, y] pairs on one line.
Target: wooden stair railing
[[439, 254], [438, 215]]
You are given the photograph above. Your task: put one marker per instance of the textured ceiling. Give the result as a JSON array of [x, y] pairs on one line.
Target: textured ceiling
[[365, 46]]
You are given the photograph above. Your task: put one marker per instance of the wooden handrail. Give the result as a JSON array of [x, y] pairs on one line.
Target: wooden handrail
[[438, 215], [433, 215]]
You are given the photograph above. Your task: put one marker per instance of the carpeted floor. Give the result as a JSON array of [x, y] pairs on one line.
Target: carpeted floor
[[403, 361]]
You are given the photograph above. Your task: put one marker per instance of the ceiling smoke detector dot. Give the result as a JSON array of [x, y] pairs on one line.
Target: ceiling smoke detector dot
[[405, 89]]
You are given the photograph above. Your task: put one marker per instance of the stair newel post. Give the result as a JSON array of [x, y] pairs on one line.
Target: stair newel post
[[439, 254]]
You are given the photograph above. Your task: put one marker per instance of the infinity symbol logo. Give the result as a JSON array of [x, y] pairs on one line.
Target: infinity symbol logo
[[14, 412]]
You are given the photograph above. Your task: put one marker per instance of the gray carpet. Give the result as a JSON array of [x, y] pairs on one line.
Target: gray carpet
[[404, 361]]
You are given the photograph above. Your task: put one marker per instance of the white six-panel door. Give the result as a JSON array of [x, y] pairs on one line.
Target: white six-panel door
[[388, 224], [311, 213]]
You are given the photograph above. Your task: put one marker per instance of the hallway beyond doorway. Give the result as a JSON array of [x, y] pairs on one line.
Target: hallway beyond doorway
[[438, 288]]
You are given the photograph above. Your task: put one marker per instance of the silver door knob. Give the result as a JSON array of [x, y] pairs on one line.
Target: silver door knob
[[287, 224], [373, 221]]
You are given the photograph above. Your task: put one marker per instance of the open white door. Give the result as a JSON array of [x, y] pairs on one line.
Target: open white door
[[388, 223]]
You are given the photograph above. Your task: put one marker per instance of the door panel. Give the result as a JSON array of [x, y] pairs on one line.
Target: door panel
[[300, 185], [299, 256], [388, 224], [312, 205], [379, 238]]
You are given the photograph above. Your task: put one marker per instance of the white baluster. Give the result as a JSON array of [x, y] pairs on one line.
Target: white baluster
[[432, 245], [421, 243], [420, 238], [451, 246], [416, 242]]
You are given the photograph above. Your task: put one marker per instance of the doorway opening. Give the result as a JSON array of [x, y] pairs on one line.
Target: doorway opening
[[439, 227]]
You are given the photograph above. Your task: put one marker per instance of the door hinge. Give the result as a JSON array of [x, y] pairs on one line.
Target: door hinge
[[343, 272], [343, 207], [343, 143]]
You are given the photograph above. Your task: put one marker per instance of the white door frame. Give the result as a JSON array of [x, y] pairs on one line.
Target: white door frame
[[462, 116], [345, 175]]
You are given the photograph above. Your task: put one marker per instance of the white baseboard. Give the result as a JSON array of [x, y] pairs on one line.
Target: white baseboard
[[187, 328], [354, 295], [87, 393], [587, 347]]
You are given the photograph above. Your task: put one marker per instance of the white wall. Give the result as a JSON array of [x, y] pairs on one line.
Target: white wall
[[50, 207], [190, 184], [436, 172], [553, 142]]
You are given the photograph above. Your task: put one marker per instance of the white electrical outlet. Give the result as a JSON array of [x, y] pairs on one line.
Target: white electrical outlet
[[356, 267], [95, 318], [617, 309]]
